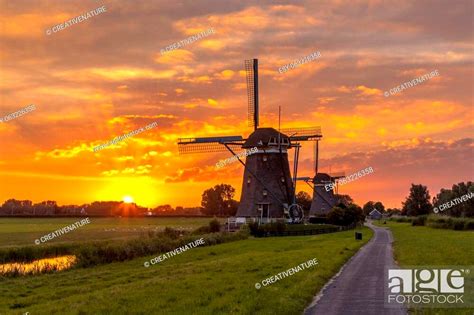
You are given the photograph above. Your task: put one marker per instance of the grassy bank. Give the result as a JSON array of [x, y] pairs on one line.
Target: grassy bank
[[24, 231], [427, 246], [206, 280]]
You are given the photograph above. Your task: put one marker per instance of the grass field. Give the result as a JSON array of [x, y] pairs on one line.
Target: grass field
[[24, 231], [207, 280], [425, 246]]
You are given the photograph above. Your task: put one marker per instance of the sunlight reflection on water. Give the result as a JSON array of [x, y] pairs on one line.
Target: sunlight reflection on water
[[39, 266]]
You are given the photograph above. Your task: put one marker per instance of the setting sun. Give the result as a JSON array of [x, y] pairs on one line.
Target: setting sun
[[127, 199]]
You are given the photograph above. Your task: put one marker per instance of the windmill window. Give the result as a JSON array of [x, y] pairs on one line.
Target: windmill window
[[285, 141], [265, 192], [264, 158], [248, 180], [283, 179], [273, 140]]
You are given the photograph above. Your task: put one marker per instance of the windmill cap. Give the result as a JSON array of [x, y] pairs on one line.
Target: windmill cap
[[262, 136], [321, 178]]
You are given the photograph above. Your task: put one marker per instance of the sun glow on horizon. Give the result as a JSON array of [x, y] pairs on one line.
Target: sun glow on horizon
[[127, 199]]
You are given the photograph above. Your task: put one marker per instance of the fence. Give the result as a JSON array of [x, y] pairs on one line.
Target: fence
[[304, 232]]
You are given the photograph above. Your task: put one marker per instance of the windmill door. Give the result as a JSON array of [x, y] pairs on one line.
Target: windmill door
[[264, 209]]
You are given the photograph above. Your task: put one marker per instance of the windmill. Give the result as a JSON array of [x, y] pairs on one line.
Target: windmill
[[268, 190], [323, 200]]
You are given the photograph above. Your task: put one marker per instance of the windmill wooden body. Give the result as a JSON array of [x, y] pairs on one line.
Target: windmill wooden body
[[268, 190], [323, 200]]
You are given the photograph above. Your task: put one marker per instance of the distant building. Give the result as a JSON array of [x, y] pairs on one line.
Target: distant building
[[323, 200], [375, 215]]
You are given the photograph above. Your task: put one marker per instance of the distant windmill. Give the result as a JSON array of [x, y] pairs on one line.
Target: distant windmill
[[268, 190], [323, 200]]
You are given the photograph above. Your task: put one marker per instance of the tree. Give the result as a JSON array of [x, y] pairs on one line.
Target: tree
[[164, 209], [418, 202], [368, 207], [12, 206], [304, 200], [344, 199], [345, 216], [379, 206], [458, 208], [48, 207], [393, 211], [218, 200]]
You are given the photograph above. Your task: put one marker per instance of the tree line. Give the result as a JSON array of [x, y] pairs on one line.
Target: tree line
[[219, 201]]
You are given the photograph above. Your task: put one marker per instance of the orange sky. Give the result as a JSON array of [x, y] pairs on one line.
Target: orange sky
[[105, 77]]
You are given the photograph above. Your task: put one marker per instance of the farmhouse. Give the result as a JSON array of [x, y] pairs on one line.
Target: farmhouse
[[375, 215]]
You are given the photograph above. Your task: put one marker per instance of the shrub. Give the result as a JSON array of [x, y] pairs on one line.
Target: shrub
[[419, 220], [458, 225], [202, 230], [214, 226], [469, 225], [255, 229], [172, 233], [445, 222], [401, 219], [318, 220], [346, 216]]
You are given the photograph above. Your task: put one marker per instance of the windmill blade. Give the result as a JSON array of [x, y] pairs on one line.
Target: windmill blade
[[337, 175], [207, 144], [316, 157], [303, 134], [251, 68]]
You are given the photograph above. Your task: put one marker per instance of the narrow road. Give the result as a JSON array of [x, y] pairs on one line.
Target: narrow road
[[359, 287]]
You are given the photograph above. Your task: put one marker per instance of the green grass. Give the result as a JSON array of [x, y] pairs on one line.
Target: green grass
[[427, 246], [24, 231], [305, 227], [206, 280]]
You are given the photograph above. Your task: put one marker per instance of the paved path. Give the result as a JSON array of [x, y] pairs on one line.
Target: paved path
[[359, 287]]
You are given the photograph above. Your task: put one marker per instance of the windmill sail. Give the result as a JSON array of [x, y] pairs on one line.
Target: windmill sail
[[207, 144], [251, 68]]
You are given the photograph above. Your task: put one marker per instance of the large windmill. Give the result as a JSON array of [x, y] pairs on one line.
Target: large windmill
[[268, 190], [323, 200]]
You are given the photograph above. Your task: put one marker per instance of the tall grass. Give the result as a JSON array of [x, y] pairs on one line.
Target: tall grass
[[438, 221], [102, 252], [452, 223]]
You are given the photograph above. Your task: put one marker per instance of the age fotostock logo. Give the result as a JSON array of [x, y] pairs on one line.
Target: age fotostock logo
[[436, 287]]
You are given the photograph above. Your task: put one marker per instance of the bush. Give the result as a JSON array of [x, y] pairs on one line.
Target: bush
[[403, 219], [346, 216], [318, 220], [445, 222], [419, 220], [458, 225], [172, 233], [214, 226], [255, 229], [469, 225]]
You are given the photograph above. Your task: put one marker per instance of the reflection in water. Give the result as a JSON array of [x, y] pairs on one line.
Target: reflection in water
[[38, 266]]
